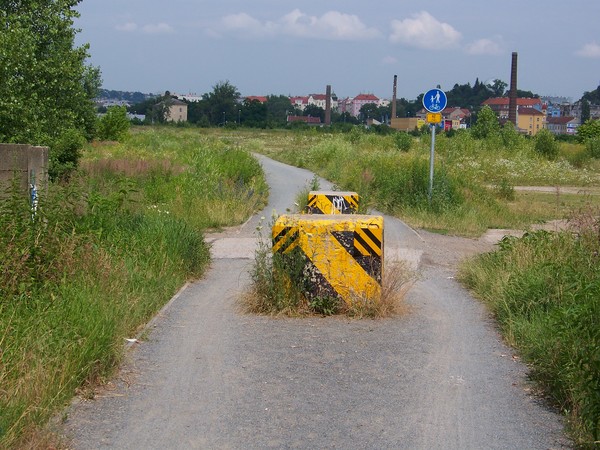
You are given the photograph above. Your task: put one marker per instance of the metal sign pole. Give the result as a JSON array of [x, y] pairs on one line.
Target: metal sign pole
[[434, 101], [431, 156]]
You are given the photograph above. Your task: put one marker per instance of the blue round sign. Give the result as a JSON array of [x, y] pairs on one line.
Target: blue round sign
[[435, 100]]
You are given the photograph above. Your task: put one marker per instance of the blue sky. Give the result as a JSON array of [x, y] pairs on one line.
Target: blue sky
[[296, 48]]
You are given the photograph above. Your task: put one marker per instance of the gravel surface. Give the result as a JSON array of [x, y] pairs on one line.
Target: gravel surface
[[210, 377]]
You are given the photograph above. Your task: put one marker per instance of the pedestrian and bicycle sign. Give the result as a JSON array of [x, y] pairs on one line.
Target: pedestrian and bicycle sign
[[435, 100]]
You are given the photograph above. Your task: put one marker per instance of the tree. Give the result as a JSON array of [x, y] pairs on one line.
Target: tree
[[498, 87], [46, 89], [114, 125], [253, 113], [585, 111], [369, 111], [592, 96], [546, 145], [588, 130], [221, 105], [487, 124], [315, 111], [278, 107]]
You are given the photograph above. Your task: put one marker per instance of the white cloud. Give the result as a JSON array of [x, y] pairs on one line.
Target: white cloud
[[159, 28], [485, 47], [242, 22], [127, 27], [424, 31], [332, 25], [591, 50]]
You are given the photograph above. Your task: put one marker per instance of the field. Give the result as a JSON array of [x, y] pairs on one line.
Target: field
[[101, 256], [108, 248]]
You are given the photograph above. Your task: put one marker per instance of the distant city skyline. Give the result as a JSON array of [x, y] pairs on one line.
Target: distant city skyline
[[276, 48]]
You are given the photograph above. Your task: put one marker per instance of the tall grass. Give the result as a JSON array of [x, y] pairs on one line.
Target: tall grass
[[473, 179], [101, 256], [544, 289]]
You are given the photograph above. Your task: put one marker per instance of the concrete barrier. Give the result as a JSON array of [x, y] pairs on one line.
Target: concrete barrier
[[343, 253], [29, 164], [332, 202]]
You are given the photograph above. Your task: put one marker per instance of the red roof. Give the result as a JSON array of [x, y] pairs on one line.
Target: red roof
[[504, 101], [318, 96], [525, 110], [559, 120], [365, 97], [256, 97]]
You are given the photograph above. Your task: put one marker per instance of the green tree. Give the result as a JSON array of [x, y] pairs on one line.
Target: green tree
[[487, 124], [278, 107], [114, 125], [221, 105], [592, 96], [546, 145], [585, 111], [314, 111], [369, 111], [46, 89], [498, 87], [253, 114], [588, 130]]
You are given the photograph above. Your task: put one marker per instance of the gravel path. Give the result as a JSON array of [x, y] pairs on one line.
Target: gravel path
[[209, 377]]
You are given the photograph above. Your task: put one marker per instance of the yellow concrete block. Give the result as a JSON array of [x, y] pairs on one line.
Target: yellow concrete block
[[332, 202], [344, 253]]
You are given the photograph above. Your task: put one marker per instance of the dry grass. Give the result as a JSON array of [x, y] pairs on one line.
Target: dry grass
[[273, 293], [396, 282]]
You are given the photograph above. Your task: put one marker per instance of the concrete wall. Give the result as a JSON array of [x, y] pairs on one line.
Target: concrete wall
[[26, 162], [406, 124]]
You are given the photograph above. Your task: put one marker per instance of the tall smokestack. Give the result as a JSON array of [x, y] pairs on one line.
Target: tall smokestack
[[512, 94], [328, 105], [394, 97]]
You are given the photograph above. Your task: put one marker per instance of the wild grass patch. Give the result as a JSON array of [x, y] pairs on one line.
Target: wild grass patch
[[544, 289], [100, 257]]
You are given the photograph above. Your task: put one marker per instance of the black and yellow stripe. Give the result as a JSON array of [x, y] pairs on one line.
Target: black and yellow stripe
[[346, 252], [332, 202]]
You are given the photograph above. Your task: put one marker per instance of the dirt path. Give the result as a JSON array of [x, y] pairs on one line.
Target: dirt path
[[209, 377]]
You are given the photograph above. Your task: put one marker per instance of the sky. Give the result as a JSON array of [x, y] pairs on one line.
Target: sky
[[281, 47]]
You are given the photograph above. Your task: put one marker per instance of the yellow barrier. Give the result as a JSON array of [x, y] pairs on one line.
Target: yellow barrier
[[332, 202], [344, 254]]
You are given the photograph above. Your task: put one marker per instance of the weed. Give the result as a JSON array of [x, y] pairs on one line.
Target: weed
[[301, 202], [505, 190], [101, 257], [544, 289]]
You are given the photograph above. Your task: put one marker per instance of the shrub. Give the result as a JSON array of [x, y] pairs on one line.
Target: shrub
[[593, 147], [487, 124], [588, 130], [64, 154], [114, 125], [403, 141], [546, 145]]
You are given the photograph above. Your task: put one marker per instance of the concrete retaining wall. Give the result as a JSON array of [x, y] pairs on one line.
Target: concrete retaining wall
[[29, 164]]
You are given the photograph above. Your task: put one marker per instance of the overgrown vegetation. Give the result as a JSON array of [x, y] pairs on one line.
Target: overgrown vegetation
[[46, 88], [468, 174], [544, 289], [101, 255]]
